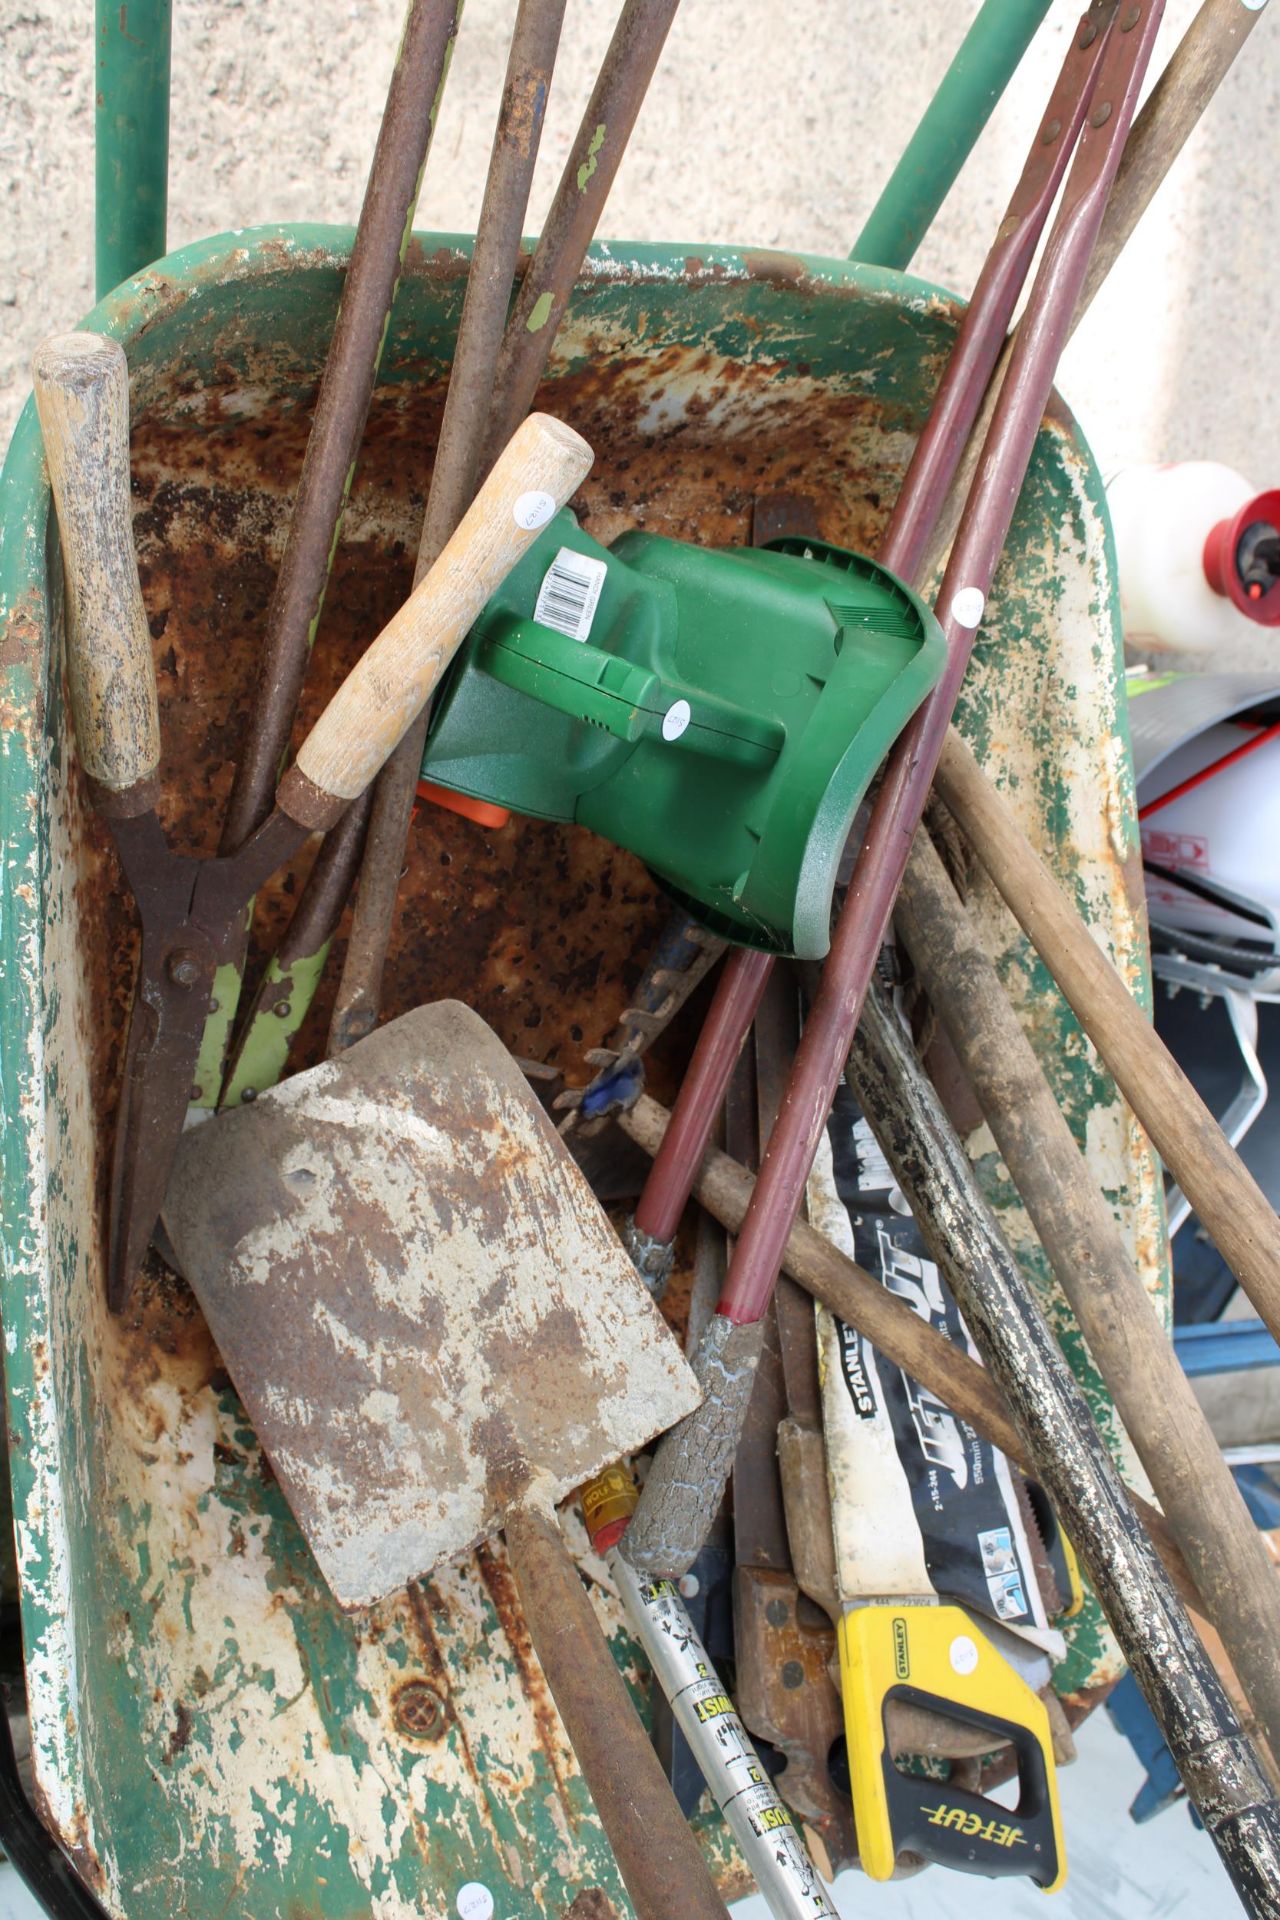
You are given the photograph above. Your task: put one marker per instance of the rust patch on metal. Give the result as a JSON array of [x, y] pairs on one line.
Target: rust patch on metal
[[181, 1734], [164, 1336], [420, 1711], [21, 645], [591, 1904], [73, 1839], [421, 1599], [501, 1586], [787, 270]]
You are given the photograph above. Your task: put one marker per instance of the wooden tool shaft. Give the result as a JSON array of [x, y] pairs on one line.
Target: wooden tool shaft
[[657, 1855], [82, 398], [1196, 68], [724, 1188], [377, 702], [1091, 1262], [1193, 1146]]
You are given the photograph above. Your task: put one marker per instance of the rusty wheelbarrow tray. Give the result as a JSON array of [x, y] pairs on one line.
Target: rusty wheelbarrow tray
[[208, 1732]]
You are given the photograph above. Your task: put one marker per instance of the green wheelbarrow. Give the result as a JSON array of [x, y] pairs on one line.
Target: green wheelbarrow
[[208, 1733]]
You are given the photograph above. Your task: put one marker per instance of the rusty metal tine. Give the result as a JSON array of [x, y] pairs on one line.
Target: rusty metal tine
[[534, 41], [342, 404], [937, 452], [607, 124]]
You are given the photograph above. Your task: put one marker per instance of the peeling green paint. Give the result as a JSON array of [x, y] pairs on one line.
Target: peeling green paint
[[272, 1032], [540, 312], [591, 162], [217, 1031]]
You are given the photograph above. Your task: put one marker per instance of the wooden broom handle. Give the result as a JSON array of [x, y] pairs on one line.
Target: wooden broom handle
[[544, 463], [82, 398], [1232, 1206]]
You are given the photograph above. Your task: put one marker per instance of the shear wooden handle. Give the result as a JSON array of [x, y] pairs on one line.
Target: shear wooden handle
[[544, 463], [82, 398]]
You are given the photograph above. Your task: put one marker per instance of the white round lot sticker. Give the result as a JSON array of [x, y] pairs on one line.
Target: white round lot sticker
[[964, 1654], [474, 1902], [533, 510], [966, 608], [676, 719]]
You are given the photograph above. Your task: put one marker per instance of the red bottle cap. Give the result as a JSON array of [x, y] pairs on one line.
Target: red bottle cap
[[1255, 602]]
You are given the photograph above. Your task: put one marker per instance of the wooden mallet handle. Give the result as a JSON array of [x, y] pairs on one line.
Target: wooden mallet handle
[[542, 466], [82, 398]]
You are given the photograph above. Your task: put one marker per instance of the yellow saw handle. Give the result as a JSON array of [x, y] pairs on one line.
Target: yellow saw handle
[[934, 1657]]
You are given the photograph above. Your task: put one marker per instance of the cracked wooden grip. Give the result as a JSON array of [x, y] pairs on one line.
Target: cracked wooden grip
[[82, 398], [541, 467]]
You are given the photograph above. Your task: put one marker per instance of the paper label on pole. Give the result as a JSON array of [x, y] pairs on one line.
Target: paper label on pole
[[533, 510], [967, 607], [570, 593]]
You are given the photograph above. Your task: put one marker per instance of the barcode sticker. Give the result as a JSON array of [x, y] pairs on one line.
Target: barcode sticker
[[570, 593]]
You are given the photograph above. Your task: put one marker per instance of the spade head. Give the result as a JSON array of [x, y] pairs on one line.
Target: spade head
[[421, 1303]]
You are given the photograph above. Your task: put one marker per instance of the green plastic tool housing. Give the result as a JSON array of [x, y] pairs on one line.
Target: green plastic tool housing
[[720, 715]]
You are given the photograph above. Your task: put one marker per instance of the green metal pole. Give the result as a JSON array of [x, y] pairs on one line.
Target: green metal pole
[[132, 136], [952, 121]]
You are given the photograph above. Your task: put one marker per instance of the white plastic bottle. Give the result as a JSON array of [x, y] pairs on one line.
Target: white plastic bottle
[[1196, 564]]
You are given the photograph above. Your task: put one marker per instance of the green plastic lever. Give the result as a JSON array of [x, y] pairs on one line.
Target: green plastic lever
[[586, 683]]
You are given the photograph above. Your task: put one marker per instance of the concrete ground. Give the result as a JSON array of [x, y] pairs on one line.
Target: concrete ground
[[765, 125]]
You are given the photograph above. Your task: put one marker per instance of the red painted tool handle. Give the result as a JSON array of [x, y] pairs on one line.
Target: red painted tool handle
[[666, 1191], [544, 463], [864, 918], [933, 465], [82, 398], [995, 295], [666, 1526]]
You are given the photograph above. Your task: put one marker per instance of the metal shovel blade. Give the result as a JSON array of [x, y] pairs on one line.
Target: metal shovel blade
[[420, 1301]]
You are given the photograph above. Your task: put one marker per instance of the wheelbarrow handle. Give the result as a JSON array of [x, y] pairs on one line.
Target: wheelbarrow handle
[[543, 464], [82, 398]]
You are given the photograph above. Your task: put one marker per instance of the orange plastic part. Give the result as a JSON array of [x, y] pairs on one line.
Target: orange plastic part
[[482, 811]]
